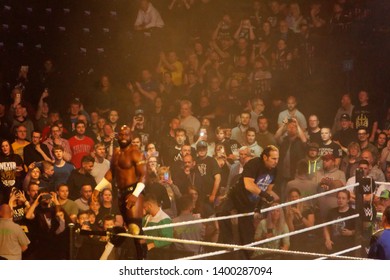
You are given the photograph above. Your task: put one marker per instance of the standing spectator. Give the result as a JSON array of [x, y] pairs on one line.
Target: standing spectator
[[264, 137], [156, 216], [341, 235], [20, 140], [314, 130], [13, 241], [345, 135], [350, 162], [101, 164], [187, 121], [210, 174], [85, 197], [76, 108], [329, 178], [109, 208], [365, 115], [49, 223], [36, 151], [381, 142], [11, 171], [313, 159], [190, 232], [300, 216], [346, 108], [251, 142], [328, 146], [231, 147], [81, 176], [238, 132], [69, 206], [302, 182], [292, 149], [20, 119], [56, 139], [80, 144], [257, 105], [363, 139], [62, 169], [292, 112], [274, 225], [5, 124]]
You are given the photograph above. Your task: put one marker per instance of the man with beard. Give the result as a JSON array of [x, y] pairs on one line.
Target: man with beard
[[127, 173], [253, 188]]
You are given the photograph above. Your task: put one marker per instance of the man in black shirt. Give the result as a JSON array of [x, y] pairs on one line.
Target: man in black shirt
[[255, 185]]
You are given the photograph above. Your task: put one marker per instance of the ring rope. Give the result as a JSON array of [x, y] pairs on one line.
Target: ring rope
[[287, 235], [231, 246], [342, 252], [383, 183], [250, 213]]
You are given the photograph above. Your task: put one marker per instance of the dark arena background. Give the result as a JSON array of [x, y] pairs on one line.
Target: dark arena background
[[90, 37], [340, 47]]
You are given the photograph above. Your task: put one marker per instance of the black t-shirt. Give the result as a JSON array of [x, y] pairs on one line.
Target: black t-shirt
[[341, 242], [207, 168], [345, 137], [332, 149], [255, 169], [76, 180], [364, 116]]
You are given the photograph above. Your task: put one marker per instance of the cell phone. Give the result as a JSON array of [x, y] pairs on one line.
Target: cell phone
[[201, 134], [46, 196], [166, 176]]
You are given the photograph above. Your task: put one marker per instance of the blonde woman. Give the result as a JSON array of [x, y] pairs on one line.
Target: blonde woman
[[273, 225]]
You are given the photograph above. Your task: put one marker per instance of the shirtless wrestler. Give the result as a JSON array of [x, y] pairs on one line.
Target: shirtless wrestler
[[127, 172]]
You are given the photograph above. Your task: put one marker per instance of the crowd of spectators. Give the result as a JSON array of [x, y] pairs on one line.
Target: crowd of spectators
[[208, 96]]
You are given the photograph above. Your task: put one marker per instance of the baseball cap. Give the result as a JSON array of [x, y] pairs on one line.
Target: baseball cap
[[313, 146], [201, 145], [345, 117], [138, 112], [328, 157], [385, 194]]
